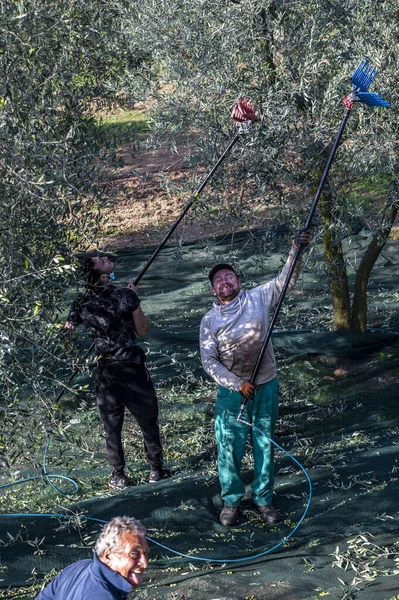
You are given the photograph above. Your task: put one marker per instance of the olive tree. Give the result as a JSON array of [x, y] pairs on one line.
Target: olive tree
[[293, 59], [59, 62]]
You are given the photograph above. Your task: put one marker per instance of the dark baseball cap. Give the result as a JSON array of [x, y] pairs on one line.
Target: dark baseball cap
[[219, 267]]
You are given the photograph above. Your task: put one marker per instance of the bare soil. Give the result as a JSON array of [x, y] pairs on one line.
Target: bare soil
[[142, 204], [141, 208]]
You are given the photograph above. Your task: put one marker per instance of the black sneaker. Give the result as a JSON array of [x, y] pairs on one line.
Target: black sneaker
[[159, 474], [119, 481]]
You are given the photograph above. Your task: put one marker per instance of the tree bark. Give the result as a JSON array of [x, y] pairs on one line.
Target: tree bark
[[336, 268], [359, 305]]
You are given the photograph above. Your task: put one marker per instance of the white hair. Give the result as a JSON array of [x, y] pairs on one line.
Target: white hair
[[110, 536]]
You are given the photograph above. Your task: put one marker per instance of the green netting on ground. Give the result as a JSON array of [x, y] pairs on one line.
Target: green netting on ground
[[175, 294], [352, 462], [343, 429]]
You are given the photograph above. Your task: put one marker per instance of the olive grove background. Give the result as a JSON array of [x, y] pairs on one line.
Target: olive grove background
[[63, 65], [293, 59], [62, 62], [59, 63]]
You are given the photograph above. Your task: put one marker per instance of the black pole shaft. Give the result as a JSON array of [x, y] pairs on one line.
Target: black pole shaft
[[327, 168], [186, 209], [189, 204], [296, 257], [73, 375]]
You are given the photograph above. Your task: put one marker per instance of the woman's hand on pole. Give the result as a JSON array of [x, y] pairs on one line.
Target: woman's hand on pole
[[131, 286]]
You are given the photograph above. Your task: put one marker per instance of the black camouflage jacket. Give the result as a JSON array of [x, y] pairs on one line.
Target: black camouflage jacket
[[107, 315]]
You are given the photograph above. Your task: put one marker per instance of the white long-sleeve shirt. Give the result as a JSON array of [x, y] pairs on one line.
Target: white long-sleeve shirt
[[232, 334]]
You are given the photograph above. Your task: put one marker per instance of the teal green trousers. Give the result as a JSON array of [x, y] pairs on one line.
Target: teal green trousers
[[231, 437]]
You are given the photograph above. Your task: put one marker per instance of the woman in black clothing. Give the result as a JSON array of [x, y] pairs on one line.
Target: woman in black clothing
[[113, 317]]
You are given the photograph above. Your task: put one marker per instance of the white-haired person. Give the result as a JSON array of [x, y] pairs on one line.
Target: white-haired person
[[119, 561]]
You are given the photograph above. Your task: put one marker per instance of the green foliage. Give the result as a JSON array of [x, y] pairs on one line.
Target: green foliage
[[123, 128], [59, 63], [294, 60]]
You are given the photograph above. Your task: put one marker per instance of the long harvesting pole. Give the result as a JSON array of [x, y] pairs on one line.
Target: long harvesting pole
[[243, 113], [186, 208], [361, 80]]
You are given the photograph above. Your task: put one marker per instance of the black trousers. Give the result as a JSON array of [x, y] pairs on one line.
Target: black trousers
[[120, 385]]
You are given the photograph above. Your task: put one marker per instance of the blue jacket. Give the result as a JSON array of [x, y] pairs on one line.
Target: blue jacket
[[87, 580]]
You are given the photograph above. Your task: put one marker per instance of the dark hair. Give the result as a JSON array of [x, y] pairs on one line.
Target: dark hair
[[90, 273], [219, 267]]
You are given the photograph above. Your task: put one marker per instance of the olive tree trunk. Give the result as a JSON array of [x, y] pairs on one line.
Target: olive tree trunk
[[345, 316], [336, 269], [359, 305]]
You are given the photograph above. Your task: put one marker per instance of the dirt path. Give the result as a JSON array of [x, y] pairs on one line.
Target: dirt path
[[143, 202], [143, 205]]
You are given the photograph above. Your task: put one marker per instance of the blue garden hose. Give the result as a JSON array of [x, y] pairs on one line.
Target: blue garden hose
[[283, 541], [47, 477]]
